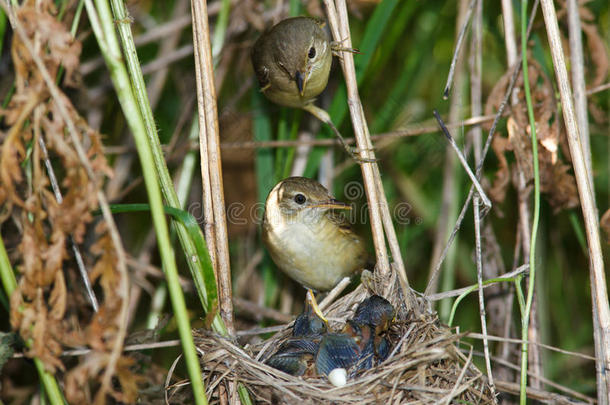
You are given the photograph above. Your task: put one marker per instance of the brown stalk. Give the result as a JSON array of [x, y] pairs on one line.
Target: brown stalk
[[379, 212], [448, 198], [306, 140], [599, 293], [580, 101], [578, 79], [353, 99], [476, 71], [208, 211], [211, 170]]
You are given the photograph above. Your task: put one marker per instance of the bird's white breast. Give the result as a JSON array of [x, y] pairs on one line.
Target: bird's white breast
[[311, 249]]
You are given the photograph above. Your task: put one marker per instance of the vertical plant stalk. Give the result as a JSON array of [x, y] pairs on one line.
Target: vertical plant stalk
[[196, 264], [525, 232], [458, 47], [525, 315], [209, 135], [103, 25], [206, 182], [451, 182], [578, 80], [379, 211], [599, 293], [580, 104], [476, 203], [476, 72], [522, 242], [510, 40], [7, 276], [522, 231], [355, 106]]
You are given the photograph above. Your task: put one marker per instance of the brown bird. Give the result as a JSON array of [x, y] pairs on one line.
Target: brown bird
[[292, 62], [306, 238]]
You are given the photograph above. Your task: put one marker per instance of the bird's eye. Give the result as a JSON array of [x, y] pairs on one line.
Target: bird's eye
[[299, 199], [312, 53]]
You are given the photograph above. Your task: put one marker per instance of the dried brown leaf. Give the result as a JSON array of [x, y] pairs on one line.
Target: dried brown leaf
[[44, 345], [58, 297], [559, 185], [128, 380], [30, 249], [40, 305], [16, 305], [557, 182], [61, 48], [519, 138]]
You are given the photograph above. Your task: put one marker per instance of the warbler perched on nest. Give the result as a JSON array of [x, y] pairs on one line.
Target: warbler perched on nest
[[306, 238]]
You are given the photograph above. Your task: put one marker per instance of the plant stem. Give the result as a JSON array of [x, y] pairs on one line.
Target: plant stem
[[525, 318], [104, 29], [7, 276]]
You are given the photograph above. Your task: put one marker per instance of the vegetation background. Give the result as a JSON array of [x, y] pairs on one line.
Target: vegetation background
[[406, 51]]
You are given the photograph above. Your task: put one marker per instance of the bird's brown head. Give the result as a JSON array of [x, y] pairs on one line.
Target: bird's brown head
[[292, 60], [295, 196]]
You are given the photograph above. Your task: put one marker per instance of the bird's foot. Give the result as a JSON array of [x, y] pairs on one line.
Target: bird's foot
[[355, 154], [323, 116], [311, 299], [337, 47]]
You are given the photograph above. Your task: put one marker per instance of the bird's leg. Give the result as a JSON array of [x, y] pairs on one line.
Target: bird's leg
[[337, 47], [323, 116], [311, 299]]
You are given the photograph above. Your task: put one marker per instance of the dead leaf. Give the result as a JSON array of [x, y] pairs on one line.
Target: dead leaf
[[557, 183]]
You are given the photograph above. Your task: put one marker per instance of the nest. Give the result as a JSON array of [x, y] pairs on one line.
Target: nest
[[425, 364]]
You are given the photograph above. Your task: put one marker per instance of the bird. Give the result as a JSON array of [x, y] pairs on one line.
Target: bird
[[296, 356], [314, 349], [292, 62], [307, 239]]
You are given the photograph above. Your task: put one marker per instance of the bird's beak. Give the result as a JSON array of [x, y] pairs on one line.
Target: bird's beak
[[333, 204], [300, 79]]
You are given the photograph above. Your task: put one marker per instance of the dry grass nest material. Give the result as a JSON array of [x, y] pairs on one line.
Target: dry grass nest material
[[424, 366]]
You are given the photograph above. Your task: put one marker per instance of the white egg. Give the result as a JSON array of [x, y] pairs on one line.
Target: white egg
[[338, 377]]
